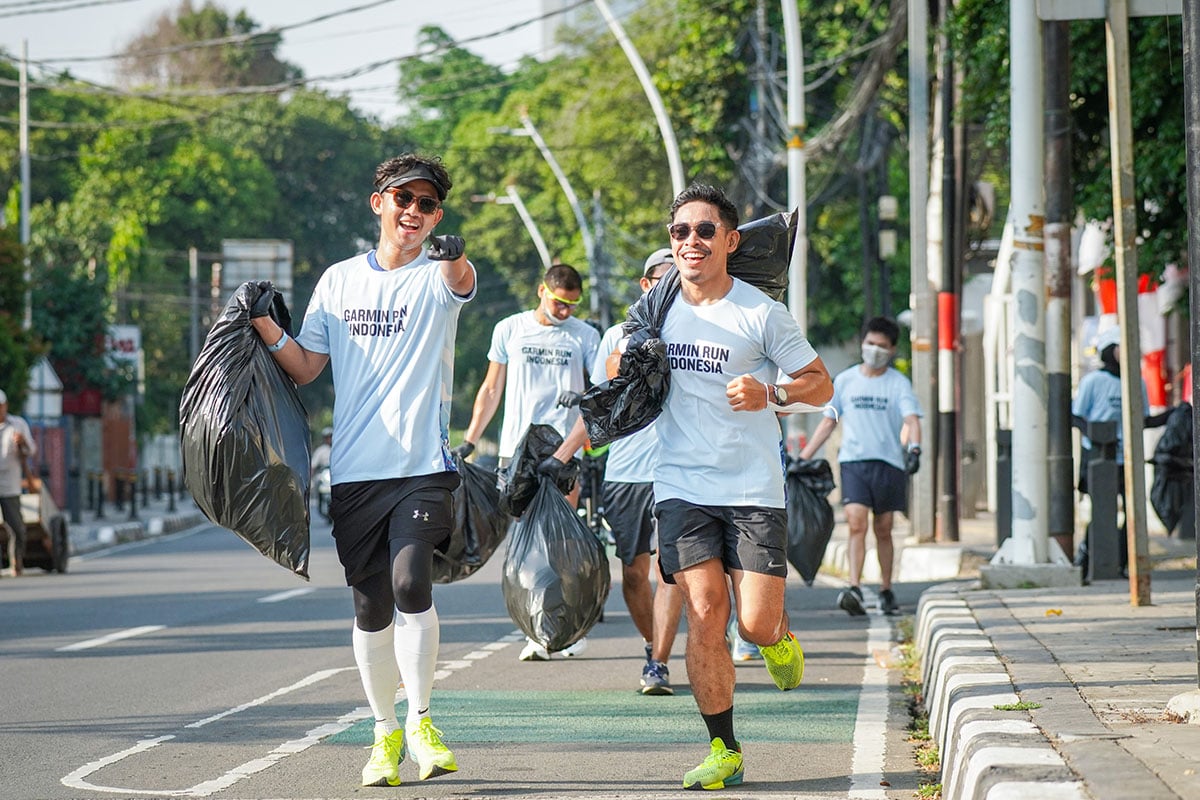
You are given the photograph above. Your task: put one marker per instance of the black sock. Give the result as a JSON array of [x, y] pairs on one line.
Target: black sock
[[720, 725]]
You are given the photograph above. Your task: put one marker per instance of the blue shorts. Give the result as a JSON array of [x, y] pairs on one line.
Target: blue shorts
[[875, 484]]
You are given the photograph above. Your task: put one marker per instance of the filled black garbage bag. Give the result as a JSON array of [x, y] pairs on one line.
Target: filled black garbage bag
[[764, 254], [809, 515], [555, 572], [634, 397], [520, 481], [244, 435], [479, 525], [1171, 489]]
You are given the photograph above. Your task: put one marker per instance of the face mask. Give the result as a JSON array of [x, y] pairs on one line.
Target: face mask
[[553, 320], [874, 356]]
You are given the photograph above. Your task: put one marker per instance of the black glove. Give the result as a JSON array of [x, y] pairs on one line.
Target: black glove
[[569, 399], [446, 248], [638, 338], [912, 460], [551, 468], [463, 450], [262, 306]]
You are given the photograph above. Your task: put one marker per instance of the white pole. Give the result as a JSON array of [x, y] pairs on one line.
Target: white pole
[[23, 113], [1030, 481], [530, 225], [798, 266], [656, 103]]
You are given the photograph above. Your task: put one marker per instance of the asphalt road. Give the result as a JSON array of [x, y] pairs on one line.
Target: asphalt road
[[192, 666]]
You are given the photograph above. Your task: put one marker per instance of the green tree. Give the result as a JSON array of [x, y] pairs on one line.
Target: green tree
[[17, 351]]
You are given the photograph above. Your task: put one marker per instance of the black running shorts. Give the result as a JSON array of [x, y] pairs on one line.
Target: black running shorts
[[749, 538], [367, 515], [629, 511], [875, 484]]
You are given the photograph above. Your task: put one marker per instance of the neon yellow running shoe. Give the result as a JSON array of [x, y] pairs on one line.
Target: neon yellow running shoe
[[386, 754], [722, 768], [433, 758], [785, 662]]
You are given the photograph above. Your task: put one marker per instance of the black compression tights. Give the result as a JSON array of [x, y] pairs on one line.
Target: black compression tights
[[409, 589]]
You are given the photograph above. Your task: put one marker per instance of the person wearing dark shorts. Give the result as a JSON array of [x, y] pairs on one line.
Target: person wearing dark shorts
[[719, 484], [386, 322], [881, 436]]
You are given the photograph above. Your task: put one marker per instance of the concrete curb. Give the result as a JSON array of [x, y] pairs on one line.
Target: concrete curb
[[915, 563], [986, 753], [98, 536]]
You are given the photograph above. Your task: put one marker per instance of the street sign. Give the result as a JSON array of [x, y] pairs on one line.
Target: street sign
[[1098, 9]]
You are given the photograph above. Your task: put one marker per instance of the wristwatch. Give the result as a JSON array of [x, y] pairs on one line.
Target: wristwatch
[[781, 395]]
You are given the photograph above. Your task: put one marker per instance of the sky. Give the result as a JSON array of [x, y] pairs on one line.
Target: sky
[[89, 28]]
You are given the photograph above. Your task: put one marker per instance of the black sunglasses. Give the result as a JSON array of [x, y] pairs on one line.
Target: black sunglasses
[[405, 198], [681, 230]]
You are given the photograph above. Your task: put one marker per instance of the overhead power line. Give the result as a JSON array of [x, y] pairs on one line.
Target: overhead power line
[[37, 8]]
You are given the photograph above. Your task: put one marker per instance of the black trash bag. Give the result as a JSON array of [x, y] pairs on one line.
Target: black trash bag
[[809, 515], [556, 575], [479, 525], [634, 397], [520, 481], [244, 435], [764, 254], [1171, 489]]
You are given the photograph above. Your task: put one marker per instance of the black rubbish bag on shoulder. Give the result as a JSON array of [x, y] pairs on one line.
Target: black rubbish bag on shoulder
[[479, 525], [1171, 489], [244, 434], [634, 398], [764, 253], [520, 481], [809, 515], [555, 572]]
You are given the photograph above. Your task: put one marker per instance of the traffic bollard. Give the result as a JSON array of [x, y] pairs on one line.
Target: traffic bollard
[[1103, 545]]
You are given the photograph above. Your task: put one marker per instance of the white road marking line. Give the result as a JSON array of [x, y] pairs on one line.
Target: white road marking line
[[289, 594], [112, 637], [76, 780], [870, 726]]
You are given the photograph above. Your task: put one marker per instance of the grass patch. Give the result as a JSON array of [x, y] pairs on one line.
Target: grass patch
[[925, 751], [1017, 706], [930, 791]]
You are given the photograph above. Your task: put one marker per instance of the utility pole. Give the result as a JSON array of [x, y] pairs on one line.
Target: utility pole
[[1120, 130], [948, 310], [1191, 126], [924, 373], [23, 113], [194, 303], [1059, 212], [798, 266]]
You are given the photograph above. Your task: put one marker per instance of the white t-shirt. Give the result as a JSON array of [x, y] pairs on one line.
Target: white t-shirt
[[390, 339], [10, 455], [710, 454], [542, 362], [632, 458], [871, 410]]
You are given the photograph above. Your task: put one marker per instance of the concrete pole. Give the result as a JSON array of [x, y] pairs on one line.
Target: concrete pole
[[1120, 131], [534, 233], [1059, 278], [797, 193], [1191, 107], [1030, 484], [948, 306], [193, 303], [23, 113], [656, 103], [924, 373]]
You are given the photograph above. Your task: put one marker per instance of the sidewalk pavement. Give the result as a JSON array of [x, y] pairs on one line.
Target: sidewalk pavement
[[1055, 692]]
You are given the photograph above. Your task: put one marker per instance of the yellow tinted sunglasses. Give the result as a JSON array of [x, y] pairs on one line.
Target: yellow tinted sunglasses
[[550, 293]]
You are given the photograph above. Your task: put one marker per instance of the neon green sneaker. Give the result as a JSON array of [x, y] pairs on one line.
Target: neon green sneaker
[[386, 754], [433, 758], [722, 768], [785, 662]]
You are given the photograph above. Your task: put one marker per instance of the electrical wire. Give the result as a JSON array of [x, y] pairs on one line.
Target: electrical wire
[[68, 7]]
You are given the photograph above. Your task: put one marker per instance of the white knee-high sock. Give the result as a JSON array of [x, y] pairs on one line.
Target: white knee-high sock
[[375, 656], [417, 639]]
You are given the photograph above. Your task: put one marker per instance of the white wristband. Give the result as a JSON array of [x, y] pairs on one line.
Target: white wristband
[[275, 348]]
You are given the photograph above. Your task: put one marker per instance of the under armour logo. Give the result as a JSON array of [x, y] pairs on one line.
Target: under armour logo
[[421, 515]]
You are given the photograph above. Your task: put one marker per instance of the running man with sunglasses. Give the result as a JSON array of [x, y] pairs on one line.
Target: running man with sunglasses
[[386, 320], [718, 486], [538, 364]]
